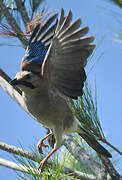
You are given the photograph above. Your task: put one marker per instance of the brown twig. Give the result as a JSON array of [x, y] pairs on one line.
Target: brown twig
[[12, 22], [21, 8]]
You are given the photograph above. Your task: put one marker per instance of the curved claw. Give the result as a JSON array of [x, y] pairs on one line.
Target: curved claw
[[42, 164], [40, 144]]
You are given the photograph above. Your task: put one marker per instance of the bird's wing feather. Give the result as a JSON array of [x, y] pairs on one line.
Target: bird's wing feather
[[38, 45], [67, 56]]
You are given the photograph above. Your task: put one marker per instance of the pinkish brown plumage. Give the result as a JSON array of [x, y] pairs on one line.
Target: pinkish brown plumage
[[58, 73]]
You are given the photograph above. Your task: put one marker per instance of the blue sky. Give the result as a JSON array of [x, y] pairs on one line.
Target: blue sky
[[17, 126]]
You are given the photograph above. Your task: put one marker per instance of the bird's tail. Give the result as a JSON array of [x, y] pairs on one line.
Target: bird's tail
[[94, 143]]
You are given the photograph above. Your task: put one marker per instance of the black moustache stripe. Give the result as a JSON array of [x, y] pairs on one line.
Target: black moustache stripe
[[28, 84]]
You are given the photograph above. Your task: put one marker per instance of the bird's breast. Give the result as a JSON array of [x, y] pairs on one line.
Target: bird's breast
[[43, 109], [50, 110]]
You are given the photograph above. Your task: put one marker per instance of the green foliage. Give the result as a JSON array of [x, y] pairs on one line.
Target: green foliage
[[85, 110], [117, 2], [57, 168], [69, 161], [119, 37], [53, 172]]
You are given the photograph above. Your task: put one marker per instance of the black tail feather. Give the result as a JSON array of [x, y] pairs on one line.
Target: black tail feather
[[95, 144]]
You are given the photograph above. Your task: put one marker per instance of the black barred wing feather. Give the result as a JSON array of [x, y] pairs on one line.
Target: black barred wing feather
[[68, 55], [38, 45], [44, 32]]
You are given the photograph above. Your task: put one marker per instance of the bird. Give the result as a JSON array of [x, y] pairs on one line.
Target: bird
[[52, 70]]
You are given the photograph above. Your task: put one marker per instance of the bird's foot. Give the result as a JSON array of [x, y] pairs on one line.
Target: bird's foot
[[44, 162], [42, 165], [40, 145]]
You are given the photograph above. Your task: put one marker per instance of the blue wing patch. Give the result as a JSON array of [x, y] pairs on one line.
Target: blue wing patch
[[38, 45], [36, 52]]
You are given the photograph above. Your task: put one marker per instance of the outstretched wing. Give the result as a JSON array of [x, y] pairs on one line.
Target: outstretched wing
[[38, 45], [67, 56]]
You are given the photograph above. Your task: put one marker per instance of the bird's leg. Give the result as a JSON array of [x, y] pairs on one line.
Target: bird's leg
[[40, 143], [44, 161], [57, 131]]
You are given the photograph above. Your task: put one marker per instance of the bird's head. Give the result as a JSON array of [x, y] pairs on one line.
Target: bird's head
[[27, 81]]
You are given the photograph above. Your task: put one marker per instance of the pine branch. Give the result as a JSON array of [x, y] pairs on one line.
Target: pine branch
[[18, 98], [7, 78], [18, 151], [12, 22], [32, 156], [82, 156], [21, 8], [110, 169], [85, 110], [78, 152], [21, 168], [18, 167], [11, 91]]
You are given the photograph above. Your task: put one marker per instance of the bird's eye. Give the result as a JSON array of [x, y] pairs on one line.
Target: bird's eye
[[28, 76]]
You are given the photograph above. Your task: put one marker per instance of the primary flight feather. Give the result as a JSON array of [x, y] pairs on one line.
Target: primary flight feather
[[51, 69]]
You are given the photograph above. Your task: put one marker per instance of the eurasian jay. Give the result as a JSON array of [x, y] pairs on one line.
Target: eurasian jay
[[53, 69]]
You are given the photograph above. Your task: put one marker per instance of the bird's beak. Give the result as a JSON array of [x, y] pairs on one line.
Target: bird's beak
[[15, 82]]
